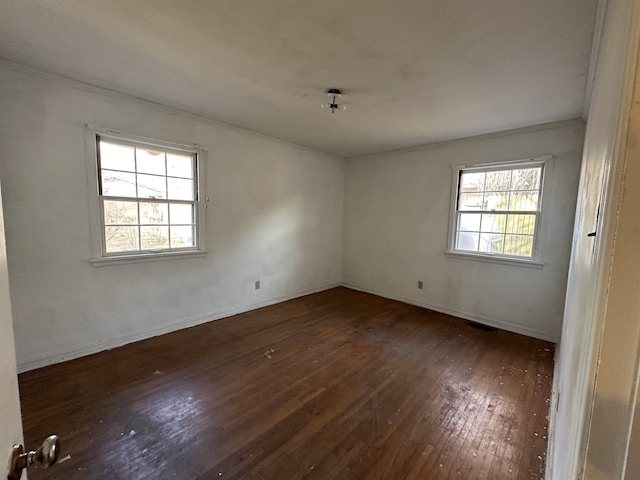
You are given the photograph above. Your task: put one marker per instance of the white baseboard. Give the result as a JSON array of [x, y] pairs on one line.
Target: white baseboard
[[121, 340], [511, 327], [553, 413]]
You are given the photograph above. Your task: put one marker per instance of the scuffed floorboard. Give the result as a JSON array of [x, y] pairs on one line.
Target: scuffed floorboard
[[335, 385]]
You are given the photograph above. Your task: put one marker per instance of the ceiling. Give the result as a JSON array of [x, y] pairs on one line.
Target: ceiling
[[413, 71]]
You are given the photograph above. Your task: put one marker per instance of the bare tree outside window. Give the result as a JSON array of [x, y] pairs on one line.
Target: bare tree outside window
[[497, 210], [148, 197]]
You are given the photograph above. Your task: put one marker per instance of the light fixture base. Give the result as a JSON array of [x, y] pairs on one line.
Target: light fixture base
[[333, 105]]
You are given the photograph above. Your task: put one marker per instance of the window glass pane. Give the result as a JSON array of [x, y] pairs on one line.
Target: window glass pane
[[119, 213], [154, 237], [526, 179], [498, 192], [493, 223], [470, 201], [496, 201], [121, 239], [467, 241], [472, 182], [491, 242], [152, 186], [469, 222], [180, 189], [148, 196], [150, 161], [524, 201], [522, 224], [154, 213], [498, 181], [118, 184], [116, 157], [182, 237], [181, 213], [179, 165], [521, 245]]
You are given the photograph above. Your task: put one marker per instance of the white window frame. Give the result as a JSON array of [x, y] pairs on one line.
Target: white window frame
[[536, 261], [99, 256]]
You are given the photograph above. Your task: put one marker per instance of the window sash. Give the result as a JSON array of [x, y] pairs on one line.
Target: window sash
[[140, 224], [503, 234], [179, 237], [144, 146], [457, 212]]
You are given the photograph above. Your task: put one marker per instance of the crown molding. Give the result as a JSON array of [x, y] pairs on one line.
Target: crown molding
[[173, 110], [475, 138], [595, 51], [98, 90]]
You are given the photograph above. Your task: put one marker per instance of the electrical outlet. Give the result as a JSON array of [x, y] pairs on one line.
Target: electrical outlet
[[420, 284], [257, 284]]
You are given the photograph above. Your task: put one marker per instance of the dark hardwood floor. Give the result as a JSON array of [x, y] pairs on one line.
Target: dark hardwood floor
[[335, 385]]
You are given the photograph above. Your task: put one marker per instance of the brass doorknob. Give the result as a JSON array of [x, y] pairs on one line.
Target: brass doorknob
[[47, 455]]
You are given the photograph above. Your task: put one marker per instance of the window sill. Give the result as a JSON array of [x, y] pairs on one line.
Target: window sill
[[495, 259], [145, 257]]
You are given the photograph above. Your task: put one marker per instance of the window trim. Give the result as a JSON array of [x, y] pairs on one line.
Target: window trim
[[99, 256], [536, 261]]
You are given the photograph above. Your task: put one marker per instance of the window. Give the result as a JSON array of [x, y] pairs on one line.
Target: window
[[148, 197], [496, 211]]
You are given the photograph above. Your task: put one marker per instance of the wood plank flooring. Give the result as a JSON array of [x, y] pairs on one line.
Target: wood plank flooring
[[335, 385]]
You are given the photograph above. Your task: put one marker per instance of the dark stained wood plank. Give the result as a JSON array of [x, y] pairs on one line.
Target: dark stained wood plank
[[336, 385]]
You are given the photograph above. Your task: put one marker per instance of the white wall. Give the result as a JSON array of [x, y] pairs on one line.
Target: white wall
[[275, 215], [397, 209]]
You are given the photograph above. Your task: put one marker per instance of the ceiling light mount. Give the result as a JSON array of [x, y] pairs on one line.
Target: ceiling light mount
[[333, 105]]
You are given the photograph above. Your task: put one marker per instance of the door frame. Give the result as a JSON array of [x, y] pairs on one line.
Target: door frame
[[10, 415], [579, 355]]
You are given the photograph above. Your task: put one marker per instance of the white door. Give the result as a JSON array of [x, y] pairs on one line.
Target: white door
[[10, 420]]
